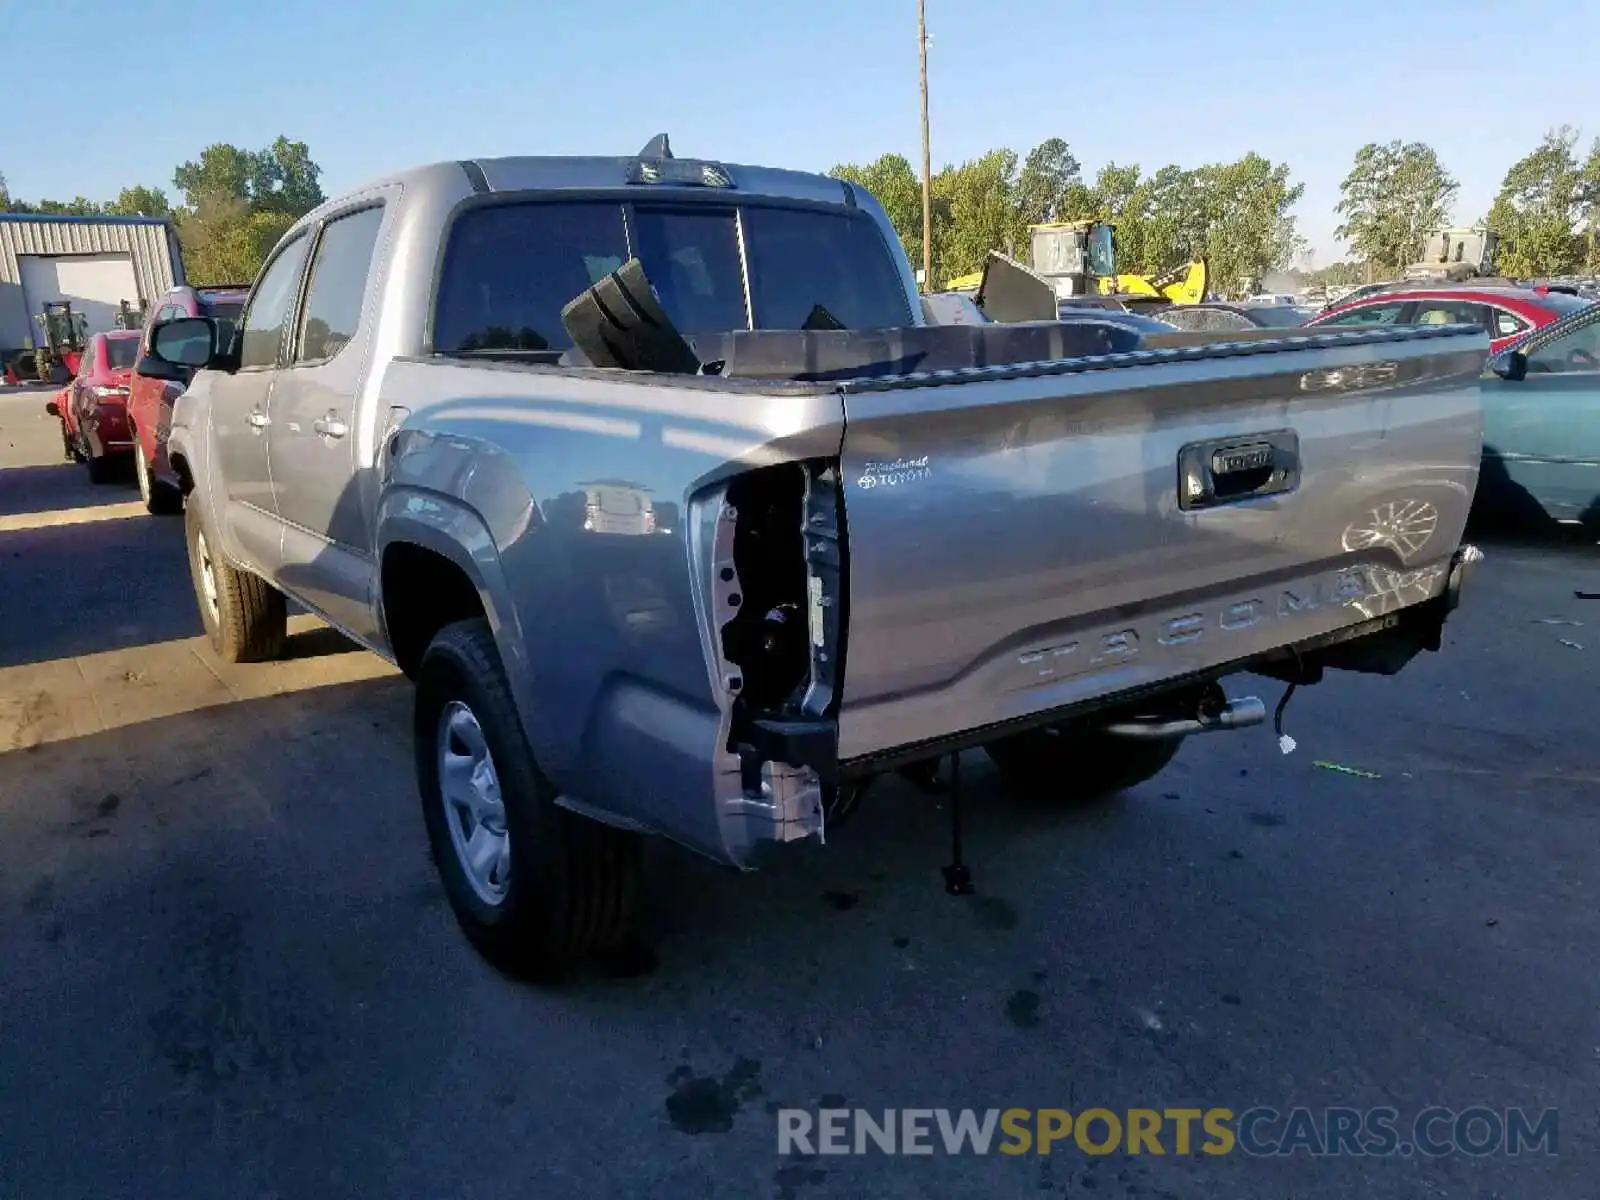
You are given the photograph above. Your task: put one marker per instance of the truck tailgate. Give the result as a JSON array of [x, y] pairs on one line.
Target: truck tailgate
[[1022, 539]]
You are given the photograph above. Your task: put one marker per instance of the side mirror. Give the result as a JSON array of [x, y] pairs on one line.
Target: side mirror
[[1512, 365], [183, 342], [152, 367], [52, 408]]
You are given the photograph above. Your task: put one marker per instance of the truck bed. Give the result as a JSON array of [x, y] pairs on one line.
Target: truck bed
[[985, 546]]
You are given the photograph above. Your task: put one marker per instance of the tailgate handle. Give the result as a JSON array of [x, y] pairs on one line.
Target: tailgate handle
[[1227, 470]]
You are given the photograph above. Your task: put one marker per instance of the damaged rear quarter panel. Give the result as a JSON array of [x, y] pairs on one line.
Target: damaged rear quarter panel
[[600, 496]]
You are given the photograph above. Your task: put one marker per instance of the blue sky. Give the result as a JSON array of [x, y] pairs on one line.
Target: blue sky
[[374, 85]]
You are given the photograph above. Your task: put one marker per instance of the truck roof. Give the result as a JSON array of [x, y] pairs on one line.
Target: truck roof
[[577, 173]]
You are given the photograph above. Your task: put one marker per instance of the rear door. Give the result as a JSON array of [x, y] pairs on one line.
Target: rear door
[[1016, 545], [327, 560]]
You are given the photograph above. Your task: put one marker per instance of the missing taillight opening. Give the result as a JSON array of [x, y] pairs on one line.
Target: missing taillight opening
[[785, 632]]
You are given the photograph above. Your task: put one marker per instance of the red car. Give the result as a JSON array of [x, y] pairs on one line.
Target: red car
[[150, 404], [93, 407], [1506, 313]]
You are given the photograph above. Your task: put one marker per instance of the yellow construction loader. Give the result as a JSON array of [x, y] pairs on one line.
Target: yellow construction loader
[[1079, 258]]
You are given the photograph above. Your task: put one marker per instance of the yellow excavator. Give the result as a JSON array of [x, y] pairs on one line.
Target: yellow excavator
[[1079, 258]]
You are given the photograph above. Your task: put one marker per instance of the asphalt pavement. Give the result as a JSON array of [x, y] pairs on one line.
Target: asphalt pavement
[[226, 968]]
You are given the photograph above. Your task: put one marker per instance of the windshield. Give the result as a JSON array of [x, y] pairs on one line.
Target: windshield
[[225, 313], [122, 353], [510, 269], [1102, 251]]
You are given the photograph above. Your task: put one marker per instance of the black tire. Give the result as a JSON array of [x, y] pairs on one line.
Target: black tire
[[1071, 766], [250, 619], [69, 445], [160, 499], [573, 883], [102, 469]]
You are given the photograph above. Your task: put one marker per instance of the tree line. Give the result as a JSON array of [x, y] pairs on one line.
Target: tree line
[[235, 204], [1237, 214]]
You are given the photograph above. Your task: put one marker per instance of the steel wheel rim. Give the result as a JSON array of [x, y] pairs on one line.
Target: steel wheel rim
[[474, 810], [208, 574], [142, 470]]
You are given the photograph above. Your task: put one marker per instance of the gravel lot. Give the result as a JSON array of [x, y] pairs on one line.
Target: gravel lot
[[226, 968]]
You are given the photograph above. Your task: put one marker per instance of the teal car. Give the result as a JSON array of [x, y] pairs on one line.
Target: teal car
[[1541, 426]]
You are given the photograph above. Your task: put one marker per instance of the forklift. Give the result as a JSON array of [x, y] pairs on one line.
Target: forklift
[[65, 335]]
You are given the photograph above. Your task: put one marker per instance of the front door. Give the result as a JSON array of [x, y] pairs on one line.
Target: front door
[[241, 414], [327, 555]]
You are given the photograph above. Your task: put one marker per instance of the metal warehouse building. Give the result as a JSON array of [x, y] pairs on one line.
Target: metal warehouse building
[[94, 263]]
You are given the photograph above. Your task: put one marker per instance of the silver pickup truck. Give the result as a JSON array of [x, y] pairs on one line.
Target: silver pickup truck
[[654, 476]]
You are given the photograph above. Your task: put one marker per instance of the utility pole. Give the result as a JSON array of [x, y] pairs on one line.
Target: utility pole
[[927, 156]]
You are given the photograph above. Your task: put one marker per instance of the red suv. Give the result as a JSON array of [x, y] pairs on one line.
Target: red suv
[[150, 404], [93, 407]]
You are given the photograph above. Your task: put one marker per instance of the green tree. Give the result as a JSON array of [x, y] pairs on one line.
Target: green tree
[[977, 204], [139, 202], [222, 172], [283, 179], [78, 206], [1393, 196], [1049, 181], [1249, 228], [223, 241], [280, 179], [1537, 208], [1589, 206]]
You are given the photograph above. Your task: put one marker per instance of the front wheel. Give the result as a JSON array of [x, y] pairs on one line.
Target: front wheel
[[533, 885], [1072, 765], [246, 619]]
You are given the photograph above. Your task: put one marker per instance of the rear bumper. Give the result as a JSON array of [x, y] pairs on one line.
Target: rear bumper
[[107, 426]]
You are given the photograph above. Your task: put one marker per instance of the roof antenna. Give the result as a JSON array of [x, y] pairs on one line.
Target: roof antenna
[[657, 147]]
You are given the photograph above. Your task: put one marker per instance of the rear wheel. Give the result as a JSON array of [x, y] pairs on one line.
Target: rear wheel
[[246, 619], [533, 885], [1073, 765]]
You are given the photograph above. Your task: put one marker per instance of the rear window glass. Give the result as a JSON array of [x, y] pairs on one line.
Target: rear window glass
[[802, 259], [122, 353], [510, 269]]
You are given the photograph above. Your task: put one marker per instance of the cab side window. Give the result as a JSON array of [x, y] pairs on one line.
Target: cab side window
[[338, 285], [264, 320]]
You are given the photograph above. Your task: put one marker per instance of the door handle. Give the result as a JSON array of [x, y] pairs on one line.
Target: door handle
[[330, 426], [258, 419]]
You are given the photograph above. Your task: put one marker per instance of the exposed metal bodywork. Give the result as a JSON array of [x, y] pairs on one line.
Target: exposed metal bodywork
[[973, 549]]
